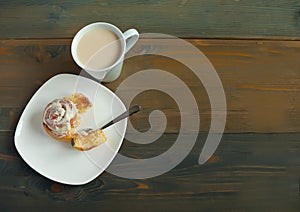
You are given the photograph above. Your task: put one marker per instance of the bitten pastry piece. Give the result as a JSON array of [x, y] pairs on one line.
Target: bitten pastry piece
[[60, 119], [87, 140], [82, 102]]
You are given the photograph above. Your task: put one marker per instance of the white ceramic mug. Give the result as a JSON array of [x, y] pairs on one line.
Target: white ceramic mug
[[112, 72]]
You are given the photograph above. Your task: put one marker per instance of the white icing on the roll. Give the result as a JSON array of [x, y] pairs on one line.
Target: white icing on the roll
[[58, 115]]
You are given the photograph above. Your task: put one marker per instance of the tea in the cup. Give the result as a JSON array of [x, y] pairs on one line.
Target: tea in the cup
[[99, 48]]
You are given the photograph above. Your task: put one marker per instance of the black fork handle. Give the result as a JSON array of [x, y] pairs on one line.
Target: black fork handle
[[134, 109]]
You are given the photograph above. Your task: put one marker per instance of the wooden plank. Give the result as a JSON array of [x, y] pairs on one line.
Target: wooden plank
[[261, 80], [247, 172], [189, 19]]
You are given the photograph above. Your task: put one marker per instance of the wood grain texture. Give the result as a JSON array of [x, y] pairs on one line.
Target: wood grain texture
[[183, 18], [261, 80], [253, 169], [248, 172]]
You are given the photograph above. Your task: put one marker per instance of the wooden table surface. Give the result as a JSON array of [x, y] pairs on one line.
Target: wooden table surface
[[255, 49]]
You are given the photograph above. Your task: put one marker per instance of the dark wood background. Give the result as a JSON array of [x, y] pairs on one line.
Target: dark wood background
[[255, 48]]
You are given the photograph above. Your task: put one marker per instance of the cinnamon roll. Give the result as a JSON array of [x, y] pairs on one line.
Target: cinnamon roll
[[60, 119], [87, 140], [82, 102]]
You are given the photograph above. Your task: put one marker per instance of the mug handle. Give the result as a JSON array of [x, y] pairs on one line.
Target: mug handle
[[131, 37]]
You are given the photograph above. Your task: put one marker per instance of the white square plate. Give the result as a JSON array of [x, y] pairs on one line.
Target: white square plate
[[58, 160]]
